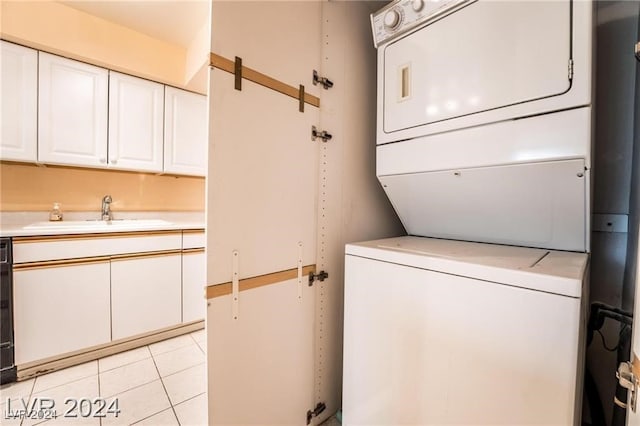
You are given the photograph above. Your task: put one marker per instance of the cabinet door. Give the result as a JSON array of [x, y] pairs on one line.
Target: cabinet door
[[18, 91], [135, 123], [193, 282], [274, 191], [72, 108], [145, 294], [185, 132], [407, 330], [263, 176], [60, 309]]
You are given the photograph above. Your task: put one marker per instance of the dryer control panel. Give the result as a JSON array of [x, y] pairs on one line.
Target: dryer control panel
[[401, 16]]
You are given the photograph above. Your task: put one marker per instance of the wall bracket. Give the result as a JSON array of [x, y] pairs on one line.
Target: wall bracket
[[235, 286], [237, 73]]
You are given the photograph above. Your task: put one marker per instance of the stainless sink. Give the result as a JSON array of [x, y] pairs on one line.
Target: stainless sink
[[99, 224]]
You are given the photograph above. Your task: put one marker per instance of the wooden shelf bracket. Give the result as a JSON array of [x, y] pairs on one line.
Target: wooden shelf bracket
[[242, 72]]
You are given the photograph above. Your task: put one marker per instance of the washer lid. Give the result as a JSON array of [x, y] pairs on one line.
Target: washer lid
[[550, 271]]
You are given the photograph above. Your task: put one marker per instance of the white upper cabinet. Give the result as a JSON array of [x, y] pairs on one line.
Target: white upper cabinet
[[185, 132], [19, 94], [72, 120], [60, 111], [135, 123]]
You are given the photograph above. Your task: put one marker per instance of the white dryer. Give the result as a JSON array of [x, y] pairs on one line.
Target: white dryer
[[484, 119], [442, 332]]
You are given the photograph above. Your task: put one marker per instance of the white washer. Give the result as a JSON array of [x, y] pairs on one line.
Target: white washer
[[449, 332], [485, 119]]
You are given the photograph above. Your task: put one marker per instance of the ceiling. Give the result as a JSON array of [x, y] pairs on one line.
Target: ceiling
[[173, 21]]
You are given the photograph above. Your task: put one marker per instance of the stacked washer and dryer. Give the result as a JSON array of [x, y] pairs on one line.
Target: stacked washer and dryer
[[484, 149]]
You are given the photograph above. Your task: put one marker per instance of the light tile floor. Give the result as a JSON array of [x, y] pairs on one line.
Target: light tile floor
[[159, 384]]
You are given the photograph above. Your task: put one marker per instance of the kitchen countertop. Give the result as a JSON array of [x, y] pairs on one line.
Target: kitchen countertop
[[25, 224]]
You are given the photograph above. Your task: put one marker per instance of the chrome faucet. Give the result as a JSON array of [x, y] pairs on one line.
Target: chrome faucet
[[106, 207]]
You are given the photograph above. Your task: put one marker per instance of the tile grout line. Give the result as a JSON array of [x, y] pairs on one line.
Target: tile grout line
[[99, 390], [190, 398], [123, 365], [130, 389], [148, 417], [170, 350], [184, 369], [55, 387], [198, 345], [165, 390], [133, 387], [33, 385], [77, 379], [146, 383]]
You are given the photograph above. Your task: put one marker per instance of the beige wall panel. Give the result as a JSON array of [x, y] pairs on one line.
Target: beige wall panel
[[25, 187], [262, 181], [277, 38], [262, 200], [354, 207], [257, 193], [65, 31], [260, 365]]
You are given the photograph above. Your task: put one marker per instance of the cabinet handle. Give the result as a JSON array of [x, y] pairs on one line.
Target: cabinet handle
[[114, 161], [103, 160]]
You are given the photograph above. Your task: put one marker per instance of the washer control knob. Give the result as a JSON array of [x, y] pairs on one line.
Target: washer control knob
[[392, 19], [417, 5]]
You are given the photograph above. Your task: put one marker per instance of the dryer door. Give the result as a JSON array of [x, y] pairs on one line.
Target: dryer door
[[484, 56]]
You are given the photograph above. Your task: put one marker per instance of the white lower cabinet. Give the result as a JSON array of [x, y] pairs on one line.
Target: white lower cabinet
[[194, 304], [145, 294], [60, 309], [72, 293]]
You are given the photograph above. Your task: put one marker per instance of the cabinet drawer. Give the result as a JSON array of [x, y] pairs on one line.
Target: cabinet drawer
[[69, 247], [193, 239]]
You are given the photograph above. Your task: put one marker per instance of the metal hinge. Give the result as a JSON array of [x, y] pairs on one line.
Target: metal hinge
[[324, 135], [629, 381], [316, 411], [326, 83], [320, 276], [637, 50], [570, 69]]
